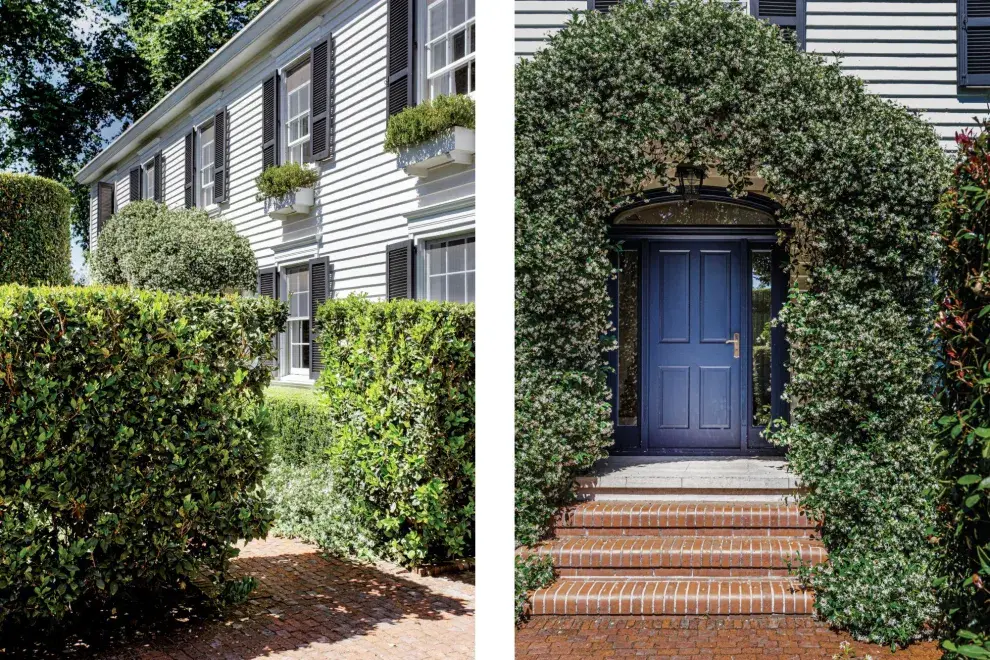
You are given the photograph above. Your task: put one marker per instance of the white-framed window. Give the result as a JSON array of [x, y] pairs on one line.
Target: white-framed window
[[206, 174], [297, 99], [148, 180], [295, 339], [450, 269], [449, 47]]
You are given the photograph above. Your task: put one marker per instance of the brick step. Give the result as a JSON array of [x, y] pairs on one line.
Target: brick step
[[679, 556], [647, 518], [672, 596]]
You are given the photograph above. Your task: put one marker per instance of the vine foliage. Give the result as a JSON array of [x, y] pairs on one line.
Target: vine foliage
[[602, 114]]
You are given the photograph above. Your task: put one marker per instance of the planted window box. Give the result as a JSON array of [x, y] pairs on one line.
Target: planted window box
[[287, 190], [434, 133]]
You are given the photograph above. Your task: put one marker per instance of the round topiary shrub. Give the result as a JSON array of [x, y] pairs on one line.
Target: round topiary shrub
[[149, 246], [601, 115], [34, 230]]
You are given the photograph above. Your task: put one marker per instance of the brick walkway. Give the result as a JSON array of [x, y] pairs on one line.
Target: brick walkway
[[739, 638], [308, 607]]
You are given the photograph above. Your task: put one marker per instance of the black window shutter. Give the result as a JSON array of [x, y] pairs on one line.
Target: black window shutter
[[789, 15], [401, 55], [159, 188], [400, 270], [268, 286], [190, 178], [134, 193], [974, 43], [269, 122], [220, 167], [320, 276], [104, 205], [602, 5], [321, 68]]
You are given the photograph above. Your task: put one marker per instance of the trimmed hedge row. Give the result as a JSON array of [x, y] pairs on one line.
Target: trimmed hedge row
[[399, 384], [131, 441], [34, 230]]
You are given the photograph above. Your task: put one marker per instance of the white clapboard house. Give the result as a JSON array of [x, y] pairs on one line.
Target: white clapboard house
[[929, 55], [314, 81]]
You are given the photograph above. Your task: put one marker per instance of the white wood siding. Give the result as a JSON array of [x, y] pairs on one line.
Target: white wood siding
[[363, 197], [905, 51]]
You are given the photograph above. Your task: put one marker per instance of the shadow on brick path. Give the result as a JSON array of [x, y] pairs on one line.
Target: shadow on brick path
[[305, 606]]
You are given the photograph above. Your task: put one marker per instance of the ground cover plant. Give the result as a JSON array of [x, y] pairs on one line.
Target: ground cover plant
[[606, 109], [962, 329], [300, 483], [149, 246], [34, 230], [398, 382], [132, 443]]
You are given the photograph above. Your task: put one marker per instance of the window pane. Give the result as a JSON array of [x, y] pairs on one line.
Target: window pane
[[456, 12], [438, 20], [628, 375], [473, 85], [455, 256], [470, 254], [473, 40], [441, 86], [436, 258], [297, 77], [438, 56], [761, 337], [304, 126], [438, 287], [470, 8], [459, 45], [470, 287], [455, 288], [461, 80], [293, 104]]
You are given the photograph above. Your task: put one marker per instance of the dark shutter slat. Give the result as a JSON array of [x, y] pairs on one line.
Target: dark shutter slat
[[190, 170], [268, 287], [159, 177], [401, 55], [321, 67], [602, 5], [104, 205], [319, 292], [789, 15], [220, 178], [400, 270], [269, 122], [134, 194]]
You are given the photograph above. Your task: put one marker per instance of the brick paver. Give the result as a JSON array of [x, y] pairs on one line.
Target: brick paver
[[309, 607], [738, 638]]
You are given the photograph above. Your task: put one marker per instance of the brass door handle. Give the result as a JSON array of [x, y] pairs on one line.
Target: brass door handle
[[735, 345]]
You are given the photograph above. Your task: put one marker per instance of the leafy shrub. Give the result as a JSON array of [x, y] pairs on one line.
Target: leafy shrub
[[34, 230], [149, 246], [625, 95], [131, 441], [964, 440], [300, 484], [282, 180], [399, 383], [532, 573], [428, 120]]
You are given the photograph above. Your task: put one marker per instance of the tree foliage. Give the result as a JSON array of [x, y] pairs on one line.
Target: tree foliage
[[601, 114]]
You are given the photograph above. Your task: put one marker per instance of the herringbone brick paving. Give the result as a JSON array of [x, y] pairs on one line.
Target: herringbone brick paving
[[307, 607], [735, 638]]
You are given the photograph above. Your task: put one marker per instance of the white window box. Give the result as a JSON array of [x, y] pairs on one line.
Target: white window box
[[297, 203], [454, 146]]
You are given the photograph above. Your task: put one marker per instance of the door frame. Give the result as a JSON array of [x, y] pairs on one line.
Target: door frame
[[630, 440]]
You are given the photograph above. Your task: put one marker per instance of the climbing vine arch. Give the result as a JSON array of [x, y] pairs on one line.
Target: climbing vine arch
[[603, 113]]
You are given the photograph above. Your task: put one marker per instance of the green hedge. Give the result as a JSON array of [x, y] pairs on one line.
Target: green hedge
[[428, 120], [399, 384], [149, 246], [301, 426], [963, 328], [34, 230], [131, 441]]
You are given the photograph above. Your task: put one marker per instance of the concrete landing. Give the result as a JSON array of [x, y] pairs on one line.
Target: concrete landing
[[713, 478]]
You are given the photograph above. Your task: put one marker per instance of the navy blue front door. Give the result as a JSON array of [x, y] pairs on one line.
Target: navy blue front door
[[694, 318]]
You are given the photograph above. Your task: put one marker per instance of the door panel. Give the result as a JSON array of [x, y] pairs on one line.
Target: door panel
[[693, 307]]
